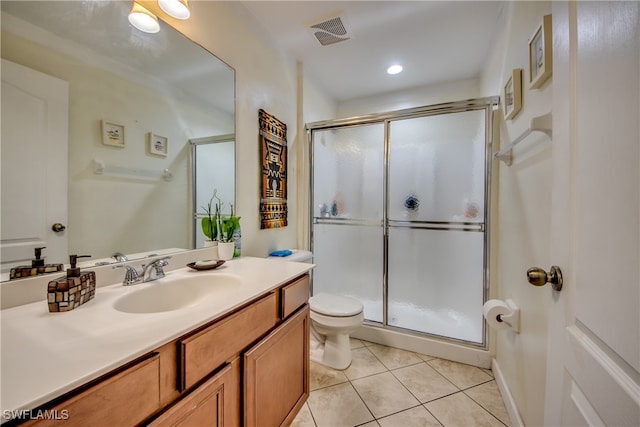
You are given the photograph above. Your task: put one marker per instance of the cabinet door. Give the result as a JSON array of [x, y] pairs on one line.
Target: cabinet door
[[215, 403], [277, 373]]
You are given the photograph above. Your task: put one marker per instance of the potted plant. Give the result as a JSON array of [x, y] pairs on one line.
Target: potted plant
[[228, 225], [210, 223]]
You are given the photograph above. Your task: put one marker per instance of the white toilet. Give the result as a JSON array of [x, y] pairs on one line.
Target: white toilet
[[333, 318]]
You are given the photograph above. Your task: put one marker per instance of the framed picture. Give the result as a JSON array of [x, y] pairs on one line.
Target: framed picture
[[540, 54], [512, 94], [158, 145], [112, 134]]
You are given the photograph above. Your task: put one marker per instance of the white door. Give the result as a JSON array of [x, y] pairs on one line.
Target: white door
[[593, 365], [35, 109]]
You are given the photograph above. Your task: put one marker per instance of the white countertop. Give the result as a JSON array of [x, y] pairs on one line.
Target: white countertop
[[47, 354]]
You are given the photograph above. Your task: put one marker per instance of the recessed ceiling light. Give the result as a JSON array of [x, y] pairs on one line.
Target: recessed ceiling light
[[394, 69]]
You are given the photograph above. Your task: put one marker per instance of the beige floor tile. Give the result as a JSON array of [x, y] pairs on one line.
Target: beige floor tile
[[338, 405], [489, 397], [394, 358], [459, 410], [463, 376], [363, 363], [425, 382], [488, 372], [355, 343], [321, 376], [414, 417], [384, 394], [425, 357], [370, 424], [304, 418]]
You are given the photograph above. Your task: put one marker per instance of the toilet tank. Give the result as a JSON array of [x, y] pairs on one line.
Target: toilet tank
[[298, 255]]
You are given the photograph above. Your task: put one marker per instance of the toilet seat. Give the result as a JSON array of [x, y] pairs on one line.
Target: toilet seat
[[335, 305]]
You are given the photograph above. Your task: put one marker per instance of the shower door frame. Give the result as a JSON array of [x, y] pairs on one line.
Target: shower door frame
[[488, 104]]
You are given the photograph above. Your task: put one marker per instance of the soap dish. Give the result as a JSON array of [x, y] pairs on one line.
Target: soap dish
[[207, 265]]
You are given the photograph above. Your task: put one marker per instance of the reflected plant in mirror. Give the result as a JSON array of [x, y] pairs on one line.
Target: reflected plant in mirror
[[108, 71], [211, 220]]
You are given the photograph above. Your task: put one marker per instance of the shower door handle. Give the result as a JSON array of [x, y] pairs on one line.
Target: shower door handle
[[538, 277]]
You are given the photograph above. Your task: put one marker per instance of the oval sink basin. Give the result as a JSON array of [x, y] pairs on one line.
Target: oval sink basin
[[174, 293]]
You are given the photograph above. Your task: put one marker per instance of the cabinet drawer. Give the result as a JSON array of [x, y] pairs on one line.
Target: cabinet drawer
[[127, 398], [203, 352], [294, 295]]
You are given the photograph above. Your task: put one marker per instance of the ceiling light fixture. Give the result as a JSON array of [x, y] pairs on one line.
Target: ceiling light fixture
[[178, 9], [394, 69], [142, 19]]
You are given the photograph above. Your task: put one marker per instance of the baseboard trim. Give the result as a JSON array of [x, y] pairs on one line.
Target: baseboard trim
[[507, 397], [425, 345]]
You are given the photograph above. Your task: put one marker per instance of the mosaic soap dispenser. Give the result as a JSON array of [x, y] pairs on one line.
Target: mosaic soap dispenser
[[72, 290], [36, 268]]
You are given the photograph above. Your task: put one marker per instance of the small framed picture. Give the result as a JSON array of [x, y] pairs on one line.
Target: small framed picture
[[540, 54], [112, 134], [158, 145], [512, 94]]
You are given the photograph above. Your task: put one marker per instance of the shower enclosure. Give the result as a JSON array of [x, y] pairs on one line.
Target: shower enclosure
[[399, 217]]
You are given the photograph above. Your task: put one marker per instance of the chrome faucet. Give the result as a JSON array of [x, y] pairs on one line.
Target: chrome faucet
[[152, 271], [155, 269], [131, 276], [120, 257]]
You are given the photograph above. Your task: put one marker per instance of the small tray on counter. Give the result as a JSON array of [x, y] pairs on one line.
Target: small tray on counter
[[211, 265]]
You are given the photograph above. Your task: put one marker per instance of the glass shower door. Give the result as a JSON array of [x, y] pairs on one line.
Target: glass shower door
[[348, 165], [436, 224]]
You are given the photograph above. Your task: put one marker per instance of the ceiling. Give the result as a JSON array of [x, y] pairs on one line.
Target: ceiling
[[435, 41], [100, 33]]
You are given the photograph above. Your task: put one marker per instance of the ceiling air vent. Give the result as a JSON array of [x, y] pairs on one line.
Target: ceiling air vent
[[330, 31]]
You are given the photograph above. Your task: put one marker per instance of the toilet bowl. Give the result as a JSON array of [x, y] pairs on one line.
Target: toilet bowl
[[333, 318]]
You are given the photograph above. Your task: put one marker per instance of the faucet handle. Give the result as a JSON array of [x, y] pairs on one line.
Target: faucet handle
[[131, 276], [159, 263]]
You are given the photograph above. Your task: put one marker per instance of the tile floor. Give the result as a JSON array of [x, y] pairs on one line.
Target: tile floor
[[389, 387]]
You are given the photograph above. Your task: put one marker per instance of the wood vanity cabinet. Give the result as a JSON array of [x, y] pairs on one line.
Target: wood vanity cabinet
[[215, 403], [276, 373], [250, 367], [126, 398]]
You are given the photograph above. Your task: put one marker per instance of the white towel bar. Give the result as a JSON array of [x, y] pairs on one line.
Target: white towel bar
[[537, 124]]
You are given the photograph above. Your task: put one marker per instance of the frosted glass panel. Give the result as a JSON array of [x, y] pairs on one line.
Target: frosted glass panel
[[214, 170], [348, 172], [436, 282], [349, 261], [437, 165]]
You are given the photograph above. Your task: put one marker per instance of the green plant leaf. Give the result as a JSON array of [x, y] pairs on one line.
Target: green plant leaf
[[209, 228]]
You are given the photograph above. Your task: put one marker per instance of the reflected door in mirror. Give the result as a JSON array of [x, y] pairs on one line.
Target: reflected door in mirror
[[34, 164]]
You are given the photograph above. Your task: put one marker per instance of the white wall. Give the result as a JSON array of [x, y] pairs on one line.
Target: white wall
[[416, 97], [523, 218], [265, 79]]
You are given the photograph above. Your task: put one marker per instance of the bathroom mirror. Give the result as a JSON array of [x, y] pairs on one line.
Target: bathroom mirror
[[159, 90]]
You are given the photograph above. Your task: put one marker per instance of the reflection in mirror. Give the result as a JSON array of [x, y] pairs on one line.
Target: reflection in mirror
[[213, 171], [155, 92]]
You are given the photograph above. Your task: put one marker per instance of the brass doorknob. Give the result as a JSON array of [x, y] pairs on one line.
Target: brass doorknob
[[57, 227], [538, 277]]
